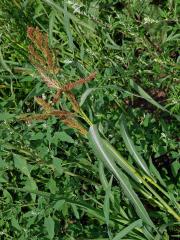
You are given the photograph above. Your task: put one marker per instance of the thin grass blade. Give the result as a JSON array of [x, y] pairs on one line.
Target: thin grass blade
[[155, 172], [67, 27], [131, 147], [60, 10], [118, 158], [128, 229], [148, 98], [102, 153]]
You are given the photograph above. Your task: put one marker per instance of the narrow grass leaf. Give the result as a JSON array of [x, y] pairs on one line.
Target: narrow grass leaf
[[85, 95], [102, 176], [131, 147], [67, 27], [103, 179], [3, 63], [124, 164], [148, 98], [75, 210], [155, 172], [148, 235], [106, 207], [60, 10], [83, 205], [102, 153], [128, 229], [51, 27]]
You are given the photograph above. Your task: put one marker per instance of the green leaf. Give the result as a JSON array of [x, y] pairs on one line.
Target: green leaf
[[6, 116], [21, 163], [57, 166], [124, 164], [64, 137], [155, 172], [128, 229], [75, 210], [49, 225], [60, 11], [59, 205], [52, 186], [52, 19], [15, 223], [146, 96], [106, 206], [31, 185], [101, 151], [175, 166], [131, 147], [85, 95], [67, 27], [149, 99], [37, 136], [3, 63]]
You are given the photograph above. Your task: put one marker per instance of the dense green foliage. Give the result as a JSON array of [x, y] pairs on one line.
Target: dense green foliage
[[52, 186]]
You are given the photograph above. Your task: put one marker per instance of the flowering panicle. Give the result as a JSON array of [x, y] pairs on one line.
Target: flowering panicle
[[32, 117], [46, 106], [45, 64], [43, 60], [69, 86], [73, 123], [74, 103], [41, 56]]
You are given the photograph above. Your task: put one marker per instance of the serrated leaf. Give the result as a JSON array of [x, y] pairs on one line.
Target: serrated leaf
[[52, 186], [49, 225], [59, 205], [75, 210], [64, 137], [21, 163], [37, 136], [57, 166], [6, 116], [15, 223], [32, 186]]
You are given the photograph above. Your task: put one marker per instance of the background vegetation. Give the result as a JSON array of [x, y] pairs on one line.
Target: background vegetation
[[51, 184]]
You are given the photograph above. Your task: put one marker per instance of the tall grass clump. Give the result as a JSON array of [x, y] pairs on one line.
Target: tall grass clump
[[89, 120]]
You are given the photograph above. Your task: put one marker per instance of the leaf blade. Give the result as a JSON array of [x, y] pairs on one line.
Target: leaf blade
[[101, 152], [128, 229], [131, 147]]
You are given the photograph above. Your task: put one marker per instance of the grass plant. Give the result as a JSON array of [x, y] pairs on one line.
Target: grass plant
[[89, 115]]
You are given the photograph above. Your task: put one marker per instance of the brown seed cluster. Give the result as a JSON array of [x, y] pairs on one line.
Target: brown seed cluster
[[43, 60], [41, 46]]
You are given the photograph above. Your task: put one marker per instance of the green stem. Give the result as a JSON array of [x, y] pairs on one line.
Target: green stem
[[84, 116], [169, 209]]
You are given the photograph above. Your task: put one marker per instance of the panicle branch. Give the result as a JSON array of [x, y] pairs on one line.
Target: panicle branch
[[43, 60]]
